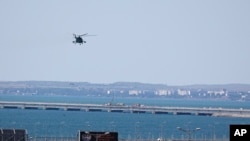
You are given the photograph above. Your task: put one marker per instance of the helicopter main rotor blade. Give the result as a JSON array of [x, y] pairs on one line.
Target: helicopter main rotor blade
[[84, 34], [87, 35], [90, 35]]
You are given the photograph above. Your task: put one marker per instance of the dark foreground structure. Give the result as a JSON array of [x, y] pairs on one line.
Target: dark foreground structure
[[97, 136], [13, 135], [22, 135]]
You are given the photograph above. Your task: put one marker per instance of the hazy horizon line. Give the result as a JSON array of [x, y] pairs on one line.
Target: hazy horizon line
[[153, 83]]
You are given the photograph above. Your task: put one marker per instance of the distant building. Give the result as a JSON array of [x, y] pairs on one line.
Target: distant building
[[218, 92], [163, 92], [183, 92], [134, 92]]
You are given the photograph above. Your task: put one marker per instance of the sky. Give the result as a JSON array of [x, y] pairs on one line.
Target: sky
[[172, 42]]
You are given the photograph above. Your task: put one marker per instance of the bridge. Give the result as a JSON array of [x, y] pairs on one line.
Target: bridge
[[204, 111]]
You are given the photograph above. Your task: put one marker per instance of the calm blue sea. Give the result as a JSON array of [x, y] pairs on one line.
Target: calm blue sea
[[130, 126]]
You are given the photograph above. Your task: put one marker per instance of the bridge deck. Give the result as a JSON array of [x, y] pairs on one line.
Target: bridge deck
[[130, 109]]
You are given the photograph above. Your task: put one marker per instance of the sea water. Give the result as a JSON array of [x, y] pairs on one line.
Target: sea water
[[60, 123]]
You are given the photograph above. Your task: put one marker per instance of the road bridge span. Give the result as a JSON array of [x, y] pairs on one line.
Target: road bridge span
[[204, 111]]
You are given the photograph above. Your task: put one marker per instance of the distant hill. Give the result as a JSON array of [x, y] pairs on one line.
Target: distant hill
[[119, 85], [229, 87]]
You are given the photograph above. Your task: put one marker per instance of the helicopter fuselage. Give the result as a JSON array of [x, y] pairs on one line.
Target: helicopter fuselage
[[79, 40]]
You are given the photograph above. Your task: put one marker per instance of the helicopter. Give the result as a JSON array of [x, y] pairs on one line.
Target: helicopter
[[79, 40]]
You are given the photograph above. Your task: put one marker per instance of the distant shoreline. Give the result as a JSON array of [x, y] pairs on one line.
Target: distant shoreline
[[235, 92]]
